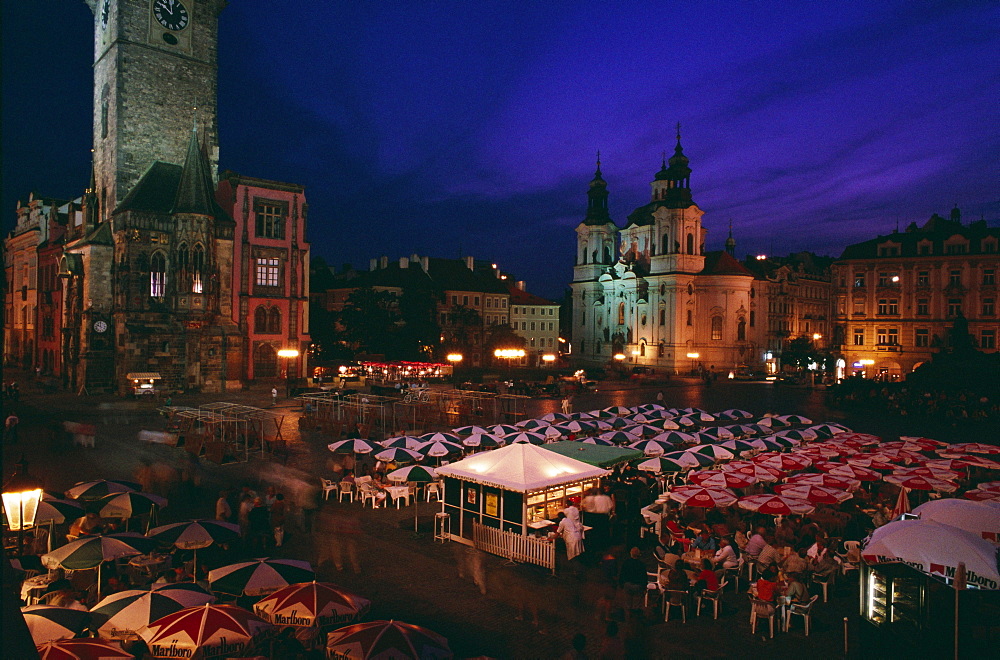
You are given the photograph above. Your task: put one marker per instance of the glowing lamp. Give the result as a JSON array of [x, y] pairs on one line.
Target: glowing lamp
[[635, 351], [548, 357], [817, 336], [455, 357], [288, 353], [21, 495], [867, 363], [694, 356]]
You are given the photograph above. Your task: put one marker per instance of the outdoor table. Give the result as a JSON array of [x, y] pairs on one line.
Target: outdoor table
[[398, 492], [36, 583], [150, 564], [694, 557]]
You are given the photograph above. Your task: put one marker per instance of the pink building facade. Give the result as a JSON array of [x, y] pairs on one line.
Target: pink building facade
[[270, 292]]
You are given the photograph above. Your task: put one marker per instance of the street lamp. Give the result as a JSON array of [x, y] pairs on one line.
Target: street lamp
[[289, 354], [455, 359], [21, 495]]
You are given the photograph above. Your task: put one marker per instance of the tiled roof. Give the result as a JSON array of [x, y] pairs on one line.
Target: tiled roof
[[722, 263], [937, 230], [521, 297]]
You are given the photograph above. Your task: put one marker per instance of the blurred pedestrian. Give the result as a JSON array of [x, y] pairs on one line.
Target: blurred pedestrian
[[259, 523], [274, 396], [10, 428], [278, 511], [223, 511]]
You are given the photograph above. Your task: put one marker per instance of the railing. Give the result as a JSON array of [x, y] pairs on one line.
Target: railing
[[515, 547]]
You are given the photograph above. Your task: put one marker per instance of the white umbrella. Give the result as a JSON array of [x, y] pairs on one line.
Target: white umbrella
[[936, 548], [981, 518]]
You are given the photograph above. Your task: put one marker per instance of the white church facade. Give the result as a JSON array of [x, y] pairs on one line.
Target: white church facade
[[648, 293]]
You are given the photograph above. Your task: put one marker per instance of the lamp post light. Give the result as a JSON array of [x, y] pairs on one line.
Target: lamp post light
[[289, 354], [21, 495], [509, 354], [455, 359]]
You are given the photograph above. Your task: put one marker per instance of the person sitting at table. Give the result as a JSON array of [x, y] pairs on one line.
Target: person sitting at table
[[796, 562], [674, 529], [823, 565], [704, 541], [756, 543], [767, 585], [769, 555], [676, 579], [706, 578], [88, 524], [795, 590], [725, 556]]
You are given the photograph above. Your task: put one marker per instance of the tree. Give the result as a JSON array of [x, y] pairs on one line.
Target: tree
[[420, 334], [800, 352], [369, 321]]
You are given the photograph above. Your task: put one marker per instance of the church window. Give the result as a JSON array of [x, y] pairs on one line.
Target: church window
[[267, 272], [197, 268], [663, 317], [690, 316], [753, 315], [270, 219], [260, 320], [621, 313], [716, 328], [663, 289], [642, 319], [690, 244], [183, 259], [741, 330], [274, 321], [690, 289], [642, 349], [157, 275]]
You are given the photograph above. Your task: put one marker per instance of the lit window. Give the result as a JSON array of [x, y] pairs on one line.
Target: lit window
[[267, 272], [270, 220], [859, 336], [882, 336], [716, 328], [923, 278], [197, 268], [157, 275], [989, 276], [988, 339], [894, 336]]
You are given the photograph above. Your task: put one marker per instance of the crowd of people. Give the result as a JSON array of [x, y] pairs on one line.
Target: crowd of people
[[904, 399]]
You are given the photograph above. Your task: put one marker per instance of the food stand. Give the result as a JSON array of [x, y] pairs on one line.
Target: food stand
[[512, 488], [143, 383]]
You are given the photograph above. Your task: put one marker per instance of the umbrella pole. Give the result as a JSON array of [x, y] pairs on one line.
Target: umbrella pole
[[194, 565]]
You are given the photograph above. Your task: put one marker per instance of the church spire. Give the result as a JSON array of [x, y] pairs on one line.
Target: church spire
[[672, 184], [597, 199], [194, 192], [731, 242]]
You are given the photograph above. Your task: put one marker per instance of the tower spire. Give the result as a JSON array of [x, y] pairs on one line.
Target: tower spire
[[730, 241], [598, 172]]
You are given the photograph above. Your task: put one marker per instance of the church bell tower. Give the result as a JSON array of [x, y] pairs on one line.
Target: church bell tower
[[155, 72]]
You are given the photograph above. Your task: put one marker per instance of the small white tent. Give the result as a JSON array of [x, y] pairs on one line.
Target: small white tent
[[521, 467]]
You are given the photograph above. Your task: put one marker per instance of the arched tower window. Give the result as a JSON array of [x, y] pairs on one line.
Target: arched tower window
[[607, 254], [183, 259], [157, 275], [690, 244], [583, 254], [663, 317], [274, 321], [716, 328], [690, 317], [260, 320], [621, 313], [197, 268], [666, 244]]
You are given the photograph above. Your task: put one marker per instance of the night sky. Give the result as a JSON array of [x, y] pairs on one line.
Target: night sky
[[471, 127]]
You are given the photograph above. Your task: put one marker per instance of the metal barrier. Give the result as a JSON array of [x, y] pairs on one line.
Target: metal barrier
[[515, 547]]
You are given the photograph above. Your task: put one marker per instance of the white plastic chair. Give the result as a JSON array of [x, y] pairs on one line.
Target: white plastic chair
[[433, 488], [851, 559], [653, 586], [801, 609], [668, 601], [761, 609], [715, 596], [328, 487], [346, 489]]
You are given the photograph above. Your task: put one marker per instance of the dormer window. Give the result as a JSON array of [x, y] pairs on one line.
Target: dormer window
[[925, 248], [956, 245], [889, 249]]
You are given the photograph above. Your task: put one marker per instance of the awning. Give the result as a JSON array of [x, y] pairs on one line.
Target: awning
[[143, 375], [599, 455]]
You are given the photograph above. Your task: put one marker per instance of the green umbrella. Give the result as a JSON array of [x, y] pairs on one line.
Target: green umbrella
[[415, 473]]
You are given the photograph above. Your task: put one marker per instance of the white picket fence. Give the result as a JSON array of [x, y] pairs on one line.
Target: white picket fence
[[515, 547]]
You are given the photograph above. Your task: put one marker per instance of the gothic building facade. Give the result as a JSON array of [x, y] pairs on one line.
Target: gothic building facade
[[156, 268], [648, 293]]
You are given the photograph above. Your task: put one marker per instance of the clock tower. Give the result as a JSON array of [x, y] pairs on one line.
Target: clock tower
[[155, 73]]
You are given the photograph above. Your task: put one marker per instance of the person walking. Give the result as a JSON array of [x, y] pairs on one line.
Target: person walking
[[274, 396], [278, 511], [10, 428], [223, 511]]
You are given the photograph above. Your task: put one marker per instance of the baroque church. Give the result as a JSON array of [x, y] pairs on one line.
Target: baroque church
[[164, 270], [648, 293]]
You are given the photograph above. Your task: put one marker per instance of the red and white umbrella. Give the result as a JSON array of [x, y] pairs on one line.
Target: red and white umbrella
[[703, 497], [820, 452], [122, 615], [917, 482], [929, 443], [311, 604], [978, 461], [989, 485], [260, 576], [936, 549], [784, 462], [953, 464], [856, 439], [981, 518], [870, 461], [209, 631], [855, 472], [980, 495], [825, 480], [775, 505], [899, 456], [902, 503], [973, 448], [386, 640], [814, 494], [758, 472], [721, 479], [924, 471], [82, 649]]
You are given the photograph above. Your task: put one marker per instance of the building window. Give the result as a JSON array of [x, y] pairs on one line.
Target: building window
[[716, 328], [989, 276], [690, 244], [923, 307], [988, 339], [663, 317], [267, 272], [621, 313], [504, 303], [741, 330], [955, 278], [882, 336], [157, 275], [532, 342], [753, 316], [197, 268], [989, 307], [465, 300], [924, 249], [954, 306], [476, 301], [859, 281], [923, 278], [270, 220], [955, 248], [532, 325], [689, 317], [922, 338], [894, 336], [859, 305], [859, 336], [260, 320]]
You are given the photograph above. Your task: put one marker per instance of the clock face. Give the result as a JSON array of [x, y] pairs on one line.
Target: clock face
[[105, 13], [171, 14], [100, 326]]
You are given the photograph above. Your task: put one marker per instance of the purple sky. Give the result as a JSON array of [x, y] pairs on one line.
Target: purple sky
[[471, 127]]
